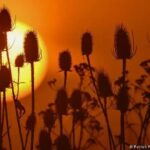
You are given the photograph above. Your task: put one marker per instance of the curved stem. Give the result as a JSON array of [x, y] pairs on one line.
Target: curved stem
[[13, 95], [99, 100]]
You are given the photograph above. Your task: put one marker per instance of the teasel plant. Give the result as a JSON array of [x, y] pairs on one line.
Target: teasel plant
[[76, 104], [61, 104], [124, 50], [6, 26], [105, 92], [31, 52], [5, 79], [19, 62], [87, 48], [65, 62]]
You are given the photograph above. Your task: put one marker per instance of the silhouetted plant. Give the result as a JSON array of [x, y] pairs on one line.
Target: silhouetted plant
[[5, 20], [105, 90], [31, 52], [45, 142], [65, 62], [123, 51], [19, 62], [6, 26]]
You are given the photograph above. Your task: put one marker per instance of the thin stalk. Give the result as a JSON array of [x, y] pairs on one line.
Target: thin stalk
[[65, 79], [99, 100], [0, 108], [122, 112], [13, 95], [18, 80], [33, 103], [7, 122], [61, 124]]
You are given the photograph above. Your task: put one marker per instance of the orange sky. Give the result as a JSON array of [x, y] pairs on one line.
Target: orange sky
[[61, 24]]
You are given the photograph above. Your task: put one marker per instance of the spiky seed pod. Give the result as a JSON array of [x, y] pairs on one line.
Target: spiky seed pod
[[31, 49], [123, 99], [31, 122], [61, 102], [65, 60], [62, 143], [76, 99], [45, 142], [5, 78], [104, 85], [3, 41], [123, 49], [19, 61], [86, 44], [5, 20]]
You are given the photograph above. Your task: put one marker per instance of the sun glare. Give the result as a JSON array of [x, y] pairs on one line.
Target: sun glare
[[15, 45]]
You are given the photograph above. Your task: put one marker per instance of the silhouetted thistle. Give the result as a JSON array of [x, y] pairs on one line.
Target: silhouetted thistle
[[61, 103], [5, 20], [62, 143], [104, 85], [86, 44], [31, 49], [123, 48], [65, 62], [124, 51], [19, 61], [45, 142], [5, 78], [31, 52]]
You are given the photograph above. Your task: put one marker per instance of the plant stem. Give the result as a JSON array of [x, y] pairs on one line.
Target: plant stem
[[99, 100], [81, 135], [17, 95], [7, 122], [65, 79], [73, 129], [33, 103], [13, 95]]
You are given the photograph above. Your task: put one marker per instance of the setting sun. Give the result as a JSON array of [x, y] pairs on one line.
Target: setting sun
[[15, 45]]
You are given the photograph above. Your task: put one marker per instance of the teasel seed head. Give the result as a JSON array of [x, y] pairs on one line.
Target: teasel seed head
[[31, 49], [5, 78], [123, 99], [5, 20], [19, 61], [65, 60], [86, 44], [3, 41], [123, 48], [76, 99], [104, 85]]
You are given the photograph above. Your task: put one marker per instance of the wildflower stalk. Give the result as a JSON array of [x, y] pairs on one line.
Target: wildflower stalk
[[13, 95]]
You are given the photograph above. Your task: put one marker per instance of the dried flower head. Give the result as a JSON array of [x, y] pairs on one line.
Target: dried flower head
[[3, 41], [44, 141], [61, 102], [123, 48], [123, 99], [19, 61], [76, 99], [104, 85], [65, 60], [62, 143], [86, 44], [5, 20], [5, 78], [31, 49]]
